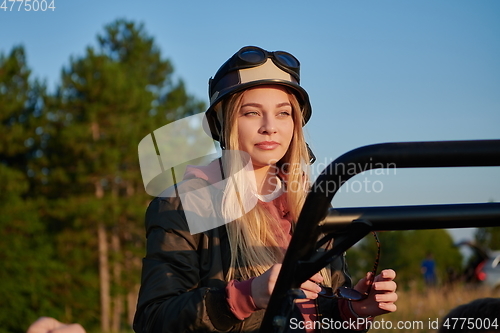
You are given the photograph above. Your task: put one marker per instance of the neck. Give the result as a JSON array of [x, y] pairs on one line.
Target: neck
[[266, 179]]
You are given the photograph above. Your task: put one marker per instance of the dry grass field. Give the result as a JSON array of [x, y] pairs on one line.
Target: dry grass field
[[422, 312]]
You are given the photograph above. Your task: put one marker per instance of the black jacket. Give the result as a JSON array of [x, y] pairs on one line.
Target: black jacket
[[183, 286]]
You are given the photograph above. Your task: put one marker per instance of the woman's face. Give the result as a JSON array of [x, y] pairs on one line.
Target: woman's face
[[265, 124]]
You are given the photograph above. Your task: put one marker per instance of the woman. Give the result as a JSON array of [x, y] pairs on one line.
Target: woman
[[220, 279]]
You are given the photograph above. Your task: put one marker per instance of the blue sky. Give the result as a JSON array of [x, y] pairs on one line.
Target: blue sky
[[376, 71]]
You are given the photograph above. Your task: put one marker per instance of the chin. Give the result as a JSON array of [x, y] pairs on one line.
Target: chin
[[264, 163], [266, 159], [260, 164]]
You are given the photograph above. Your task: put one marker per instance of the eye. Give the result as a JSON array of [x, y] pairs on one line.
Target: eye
[[284, 114], [250, 113]]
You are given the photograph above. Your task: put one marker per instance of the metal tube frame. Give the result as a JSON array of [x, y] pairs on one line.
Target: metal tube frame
[[349, 225]]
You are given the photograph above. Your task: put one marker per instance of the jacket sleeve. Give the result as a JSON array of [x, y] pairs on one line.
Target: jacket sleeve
[[181, 291]]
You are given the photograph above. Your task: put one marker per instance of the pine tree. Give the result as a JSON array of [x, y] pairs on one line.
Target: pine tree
[[110, 99], [26, 250], [71, 192]]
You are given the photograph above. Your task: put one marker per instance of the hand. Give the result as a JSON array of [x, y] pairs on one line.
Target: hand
[[382, 295], [263, 286], [51, 325]]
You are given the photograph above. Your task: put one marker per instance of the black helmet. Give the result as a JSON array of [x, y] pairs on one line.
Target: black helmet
[[252, 66]]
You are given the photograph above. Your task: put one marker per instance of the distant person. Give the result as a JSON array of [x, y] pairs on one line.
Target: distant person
[[429, 270], [481, 315], [51, 325]]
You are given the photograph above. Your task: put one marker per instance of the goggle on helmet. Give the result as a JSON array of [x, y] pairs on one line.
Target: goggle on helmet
[[252, 66]]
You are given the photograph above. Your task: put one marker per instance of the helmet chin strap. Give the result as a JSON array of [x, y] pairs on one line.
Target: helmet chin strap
[[221, 142], [312, 157], [220, 125]]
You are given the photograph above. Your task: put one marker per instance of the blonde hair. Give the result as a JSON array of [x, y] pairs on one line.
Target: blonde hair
[[253, 241]]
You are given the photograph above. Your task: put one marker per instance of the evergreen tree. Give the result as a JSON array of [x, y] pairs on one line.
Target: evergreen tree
[[26, 249], [71, 192], [22, 103], [110, 99]]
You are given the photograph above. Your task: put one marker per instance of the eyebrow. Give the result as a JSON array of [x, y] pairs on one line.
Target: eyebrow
[[257, 105]]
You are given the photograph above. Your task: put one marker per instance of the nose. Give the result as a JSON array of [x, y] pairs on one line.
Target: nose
[[268, 125]]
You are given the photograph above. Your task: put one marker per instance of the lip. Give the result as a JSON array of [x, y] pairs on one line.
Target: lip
[[267, 145]]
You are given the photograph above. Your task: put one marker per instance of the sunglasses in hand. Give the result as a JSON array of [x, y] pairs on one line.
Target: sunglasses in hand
[[352, 294]]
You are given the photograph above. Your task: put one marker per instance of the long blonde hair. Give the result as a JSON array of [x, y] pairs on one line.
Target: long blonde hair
[[253, 241]]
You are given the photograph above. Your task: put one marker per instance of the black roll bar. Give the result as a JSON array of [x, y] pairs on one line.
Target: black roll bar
[[416, 217], [302, 260]]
